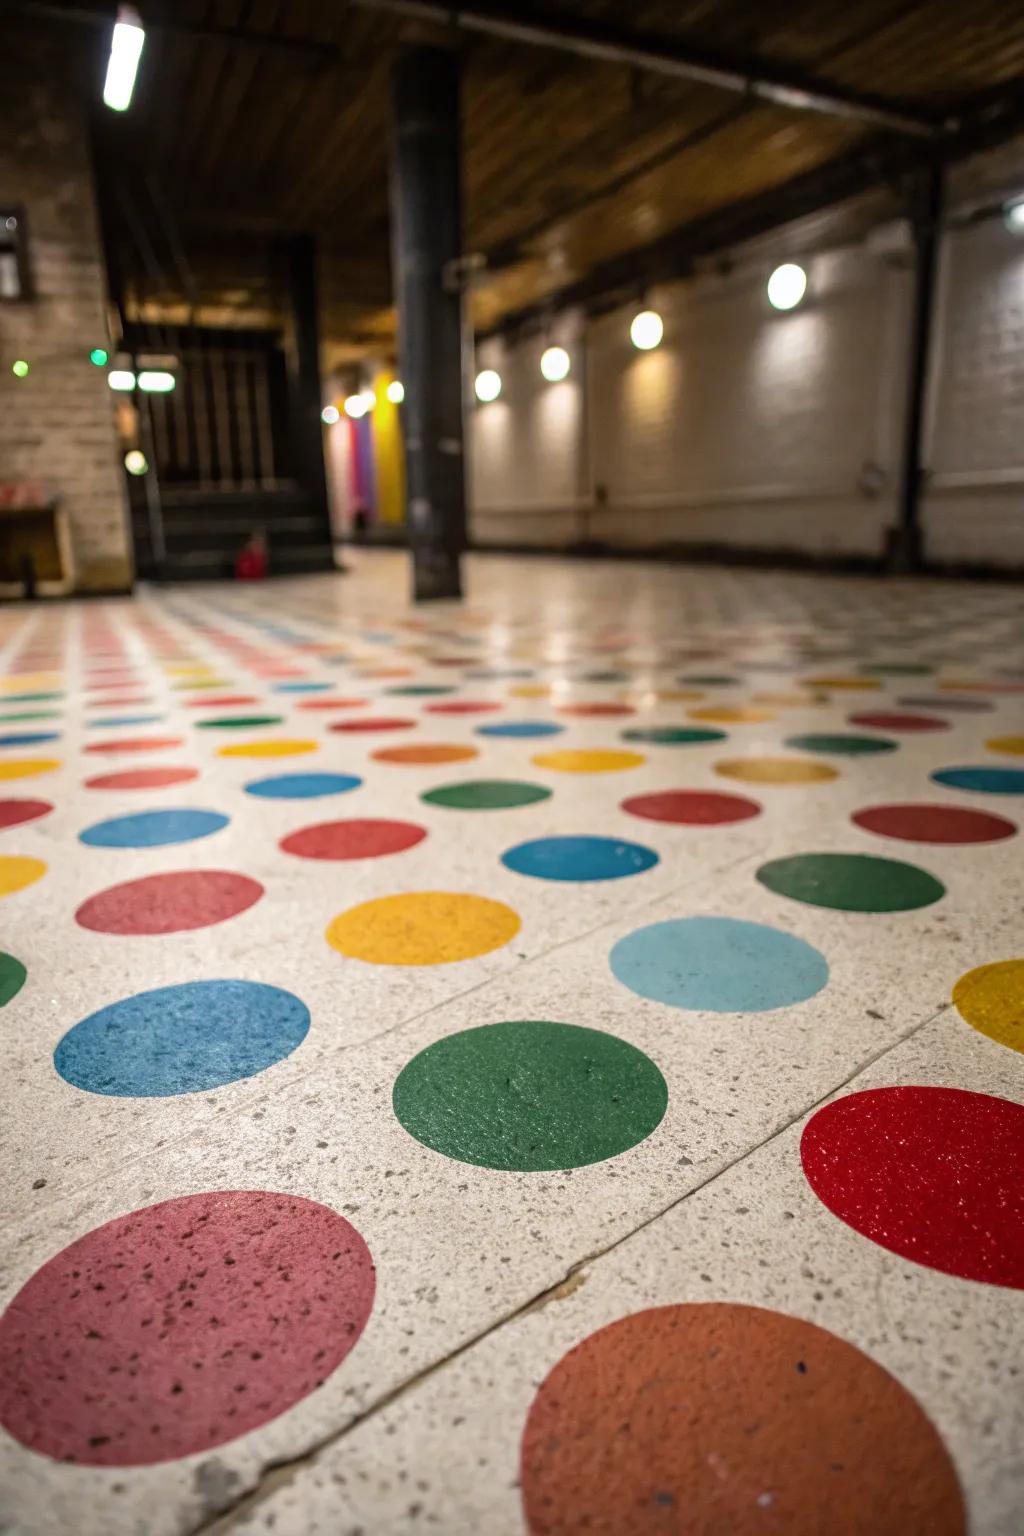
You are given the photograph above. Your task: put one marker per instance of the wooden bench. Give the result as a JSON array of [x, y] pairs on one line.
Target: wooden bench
[[36, 557]]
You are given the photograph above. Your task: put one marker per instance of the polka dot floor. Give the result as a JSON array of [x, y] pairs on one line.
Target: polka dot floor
[[548, 1064]]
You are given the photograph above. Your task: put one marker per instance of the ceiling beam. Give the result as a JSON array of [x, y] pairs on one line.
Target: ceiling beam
[[298, 48], [546, 28]]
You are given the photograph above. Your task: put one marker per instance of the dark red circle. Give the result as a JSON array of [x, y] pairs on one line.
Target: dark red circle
[[934, 823], [366, 839], [381, 723], [181, 1326], [935, 1175], [142, 778], [170, 903], [692, 807], [880, 720], [462, 707], [14, 812], [135, 744], [597, 709]]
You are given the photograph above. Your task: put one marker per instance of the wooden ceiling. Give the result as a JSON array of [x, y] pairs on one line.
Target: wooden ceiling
[[254, 118]]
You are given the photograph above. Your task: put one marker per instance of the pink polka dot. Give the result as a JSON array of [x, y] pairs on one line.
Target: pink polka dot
[[353, 839], [332, 703], [136, 744], [462, 707], [170, 903], [142, 778], [221, 701], [181, 1326]]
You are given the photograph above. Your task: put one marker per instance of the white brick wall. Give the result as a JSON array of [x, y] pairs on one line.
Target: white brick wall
[[57, 425], [751, 429]]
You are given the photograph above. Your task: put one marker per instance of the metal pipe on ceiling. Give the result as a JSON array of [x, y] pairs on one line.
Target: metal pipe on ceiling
[[592, 40]]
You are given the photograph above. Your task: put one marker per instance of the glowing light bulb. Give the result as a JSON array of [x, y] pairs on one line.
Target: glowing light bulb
[[554, 364], [125, 50], [356, 406], [647, 330], [329, 415], [396, 391], [488, 385], [156, 381], [99, 357], [135, 461], [1013, 216], [19, 368], [121, 378], [787, 286]]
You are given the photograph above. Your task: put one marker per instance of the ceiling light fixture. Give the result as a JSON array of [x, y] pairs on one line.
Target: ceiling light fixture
[[121, 378], [488, 385], [646, 330], [787, 286], [329, 415], [1013, 216], [156, 381], [554, 364], [125, 50], [396, 391], [356, 406]]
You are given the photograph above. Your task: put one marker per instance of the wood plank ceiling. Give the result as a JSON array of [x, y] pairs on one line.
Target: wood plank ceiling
[[568, 162]]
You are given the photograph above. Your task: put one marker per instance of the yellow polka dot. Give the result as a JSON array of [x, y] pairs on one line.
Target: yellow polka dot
[[422, 928], [27, 767], [530, 691], [189, 669], [16, 873], [1014, 744], [842, 682], [202, 682], [584, 760], [731, 714], [991, 1000], [267, 748], [775, 770], [30, 680], [788, 700]]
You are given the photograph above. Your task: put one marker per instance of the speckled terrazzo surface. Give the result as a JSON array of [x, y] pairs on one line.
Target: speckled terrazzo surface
[[548, 1064]]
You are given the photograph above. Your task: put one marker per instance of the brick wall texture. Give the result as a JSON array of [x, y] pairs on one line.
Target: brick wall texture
[[58, 424]]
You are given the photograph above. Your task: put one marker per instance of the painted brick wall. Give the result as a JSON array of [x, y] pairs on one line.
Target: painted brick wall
[[58, 424], [752, 429]]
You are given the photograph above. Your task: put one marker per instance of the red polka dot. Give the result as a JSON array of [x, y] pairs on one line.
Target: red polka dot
[[881, 721], [934, 823], [332, 703], [221, 701], [353, 839], [169, 903], [135, 744], [462, 707], [935, 1175], [692, 807], [381, 723], [181, 1326], [115, 700], [14, 812], [142, 778], [597, 709]]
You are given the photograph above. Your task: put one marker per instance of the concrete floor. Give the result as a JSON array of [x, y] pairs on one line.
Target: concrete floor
[[509, 1067]]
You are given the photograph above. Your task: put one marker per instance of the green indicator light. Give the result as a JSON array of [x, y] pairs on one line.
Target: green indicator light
[[99, 357], [19, 368]]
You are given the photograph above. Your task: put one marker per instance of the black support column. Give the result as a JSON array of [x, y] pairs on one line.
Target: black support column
[[304, 403], [426, 246], [906, 552]]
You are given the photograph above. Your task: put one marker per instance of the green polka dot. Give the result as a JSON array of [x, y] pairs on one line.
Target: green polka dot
[[32, 698], [420, 690], [238, 722], [530, 1095], [671, 735], [843, 745], [486, 794], [851, 882], [32, 714], [12, 978]]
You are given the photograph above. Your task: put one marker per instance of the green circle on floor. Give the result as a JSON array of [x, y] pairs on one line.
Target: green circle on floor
[[238, 722], [486, 794], [851, 882], [530, 1095], [842, 745], [12, 978]]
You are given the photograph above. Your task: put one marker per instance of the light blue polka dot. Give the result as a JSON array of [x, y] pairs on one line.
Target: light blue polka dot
[[520, 728], [718, 965], [302, 786], [579, 858], [987, 781], [153, 829], [182, 1039], [302, 687], [127, 720]]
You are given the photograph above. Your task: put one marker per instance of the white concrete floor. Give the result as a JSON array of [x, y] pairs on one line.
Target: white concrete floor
[[516, 1190]]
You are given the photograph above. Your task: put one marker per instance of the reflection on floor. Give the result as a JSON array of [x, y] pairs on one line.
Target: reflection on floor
[[544, 1065]]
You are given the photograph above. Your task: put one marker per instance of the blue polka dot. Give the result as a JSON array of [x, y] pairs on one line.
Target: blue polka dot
[[128, 720], [302, 786], [718, 965], [988, 781], [28, 738], [520, 728], [153, 829], [302, 687], [579, 858], [182, 1039]]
